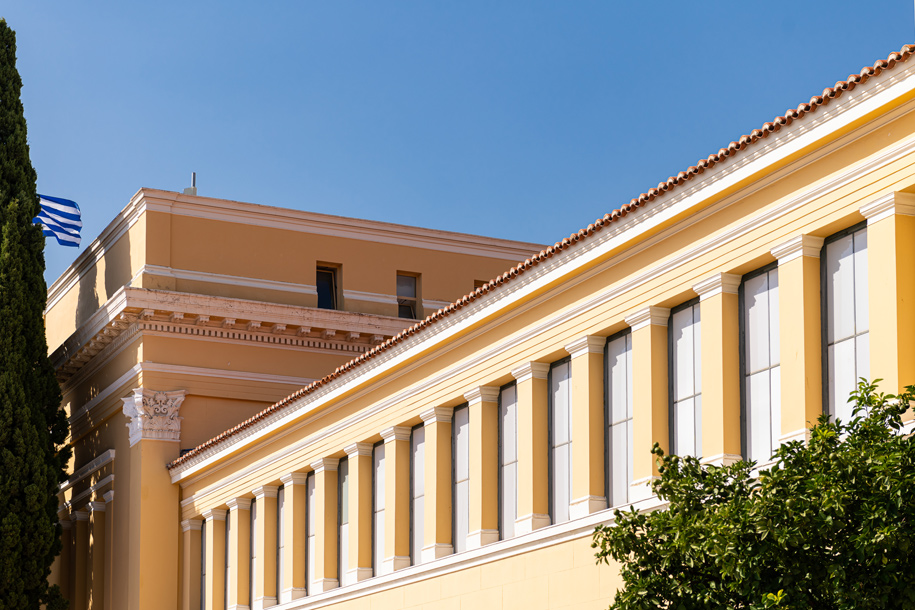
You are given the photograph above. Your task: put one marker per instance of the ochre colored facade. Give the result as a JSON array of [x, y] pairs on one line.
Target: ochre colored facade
[[464, 461]]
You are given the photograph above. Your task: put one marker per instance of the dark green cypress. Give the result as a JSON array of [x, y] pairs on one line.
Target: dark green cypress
[[33, 427]]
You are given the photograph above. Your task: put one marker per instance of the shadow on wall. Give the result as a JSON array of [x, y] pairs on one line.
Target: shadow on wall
[[117, 265]]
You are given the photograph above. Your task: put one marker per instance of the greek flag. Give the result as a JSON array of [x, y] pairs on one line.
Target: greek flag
[[60, 219]]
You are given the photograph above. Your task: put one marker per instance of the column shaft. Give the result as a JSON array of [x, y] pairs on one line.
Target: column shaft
[[483, 524], [295, 497], [438, 510], [97, 546], [327, 525], [533, 447], [215, 584], [588, 429], [80, 592], [265, 541], [396, 498], [60, 574], [360, 512], [190, 564], [239, 544]]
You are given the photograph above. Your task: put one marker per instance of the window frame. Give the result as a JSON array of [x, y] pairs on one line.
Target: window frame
[[551, 466], [416, 300], [414, 560], [376, 569], [336, 295], [341, 488], [280, 513], [608, 474], [501, 482], [671, 397], [454, 481], [203, 564], [252, 551], [824, 312]]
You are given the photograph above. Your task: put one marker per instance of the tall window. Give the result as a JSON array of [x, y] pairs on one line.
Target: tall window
[[252, 578], [326, 284], [845, 311], [508, 460], [417, 492], [407, 297], [560, 440], [343, 537], [762, 416], [619, 417], [686, 380], [280, 536], [228, 558], [203, 565], [310, 529], [378, 507], [461, 445]]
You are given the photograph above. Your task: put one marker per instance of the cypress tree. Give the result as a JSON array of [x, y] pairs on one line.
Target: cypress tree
[[33, 427]]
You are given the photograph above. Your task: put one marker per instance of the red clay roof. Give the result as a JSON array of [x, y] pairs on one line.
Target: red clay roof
[[666, 186]]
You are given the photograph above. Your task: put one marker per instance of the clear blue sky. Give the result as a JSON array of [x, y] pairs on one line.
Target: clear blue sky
[[525, 120]]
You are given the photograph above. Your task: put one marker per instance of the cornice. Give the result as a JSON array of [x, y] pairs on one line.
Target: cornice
[[589, 344], [437, 415], [796, 247], [648, 316], [531, 370], [329, 464], [396, 433], [885, 206], [720, 283], [192, 525], [359, 449], [485, 393]]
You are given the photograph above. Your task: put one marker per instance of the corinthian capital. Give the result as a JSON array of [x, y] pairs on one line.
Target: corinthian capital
[[153, 415]]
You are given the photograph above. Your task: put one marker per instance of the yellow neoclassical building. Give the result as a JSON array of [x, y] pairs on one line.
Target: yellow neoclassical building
[[260, 419]]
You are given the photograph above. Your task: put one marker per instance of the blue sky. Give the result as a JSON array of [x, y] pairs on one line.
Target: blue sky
[[525, 120]]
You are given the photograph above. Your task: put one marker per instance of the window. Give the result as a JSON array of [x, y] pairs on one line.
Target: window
[[203, 565], [845, 315], [619, 417], [759, 363], [461, 461], [252, 576], [378, 506], [417, 492], [560, 440], [310, 529], [407, 297], [280, 536], [225, 592], [326, 284], [685, 380], [343, 537], [508, 461]]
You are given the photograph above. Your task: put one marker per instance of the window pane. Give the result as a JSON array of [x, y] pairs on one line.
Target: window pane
[[310, 530], [756, 320], [840, 287], [462, 515], [862, 357], [406, 286], [861, 303], [561, 483], [344, 490], [775, 395], [326, 285], [462, 443], [418, 530], [508, 413], [280, 505], [562, 424], [619, 464], [841, 377], [378, 544], [774, 341], [418, 461], [344, 554], [683, 353], [253, 547], [618, 353], [684, 424], [759, 433], [509, 500], [508, 430]]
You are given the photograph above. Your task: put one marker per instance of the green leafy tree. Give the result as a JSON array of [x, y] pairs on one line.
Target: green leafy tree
[[33, 427], [831, 525]]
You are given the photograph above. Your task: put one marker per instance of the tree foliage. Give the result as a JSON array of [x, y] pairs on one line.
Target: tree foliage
[[32, 425], [830, 525]]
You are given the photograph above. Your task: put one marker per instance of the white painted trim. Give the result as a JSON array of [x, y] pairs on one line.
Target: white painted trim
[[802, 435], [530, 370], [887, 206], [394, 564], [722, 459], [626, 231], [323, 585], [219, 278], [587, 505], [484, 393], [239, 504], [396, 433], [590, 344], [328, 463], [480, 538], [287, 595], [87, 493], [371, 297], [214, 514], [358, 574], [192, 524], [796, 247], [262, 603], [196, 371], [436, 551], [359, 449], [530, 523], [265, 491], [649, 316], [720, 283], [94, 466], [294, 478], [640, 489], [437, 415]]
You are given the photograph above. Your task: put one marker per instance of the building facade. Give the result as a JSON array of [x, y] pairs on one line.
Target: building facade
[[463, 461]]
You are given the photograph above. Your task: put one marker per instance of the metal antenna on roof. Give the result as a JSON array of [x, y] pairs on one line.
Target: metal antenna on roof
[[192, 190]]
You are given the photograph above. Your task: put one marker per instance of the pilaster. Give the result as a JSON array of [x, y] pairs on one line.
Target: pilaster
[[438, 510], [190, 564], [483, 524], [396, 498], [295, 498], [325, 574], [360, 512], [239, 544], [215, 557], [533, 447], [97, 547], [265, 541]]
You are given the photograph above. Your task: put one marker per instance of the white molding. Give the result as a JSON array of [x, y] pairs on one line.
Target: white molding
[[480, 538], [796, 247], [587, 505], [294, 478], [640, 489], [265, 491], [219, 278], [720, 283], [721, 459], [434, 305], [436, 551], [214, 514], [153, 415], [396, 433], [196, 371], [287, 595], [802, 435], [589, 344], [95, 465], [359, 449], [648, 316], [530, 370], [192, 524], [235, 504], [323, 585], [262, 603], [358, 575], [329, 464], [885, 206], [371, 297], [395, 564], [483, 393], [437, 415], [239, 607], [108, 496], [68, 505], [628, 230], [96, 507], [530, 523]]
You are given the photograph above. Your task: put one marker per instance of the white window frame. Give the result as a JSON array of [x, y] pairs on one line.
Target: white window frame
[[203, 564], [695, 370], [228, 561], [378, 491], [760, 381], [343, 520], [310, 528], [559, 488], [417, 492], [508, 412], [252, 571], [834, 399], [460, 477], [280, 509], [618, 395]]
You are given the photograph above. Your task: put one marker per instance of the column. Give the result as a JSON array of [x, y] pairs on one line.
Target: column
[[438, 511], [154, 434], [396, 498], [60, 569], [239, 544], [360, 512], [483, 526], [79, 590], [97, 545], [650, 406], [800, 334], [295, 544], [190, 564], [720, 338], [215, 558], [327, 526], [589, 493], [891, 289], [533, 447], [108, 496], [265, 542]]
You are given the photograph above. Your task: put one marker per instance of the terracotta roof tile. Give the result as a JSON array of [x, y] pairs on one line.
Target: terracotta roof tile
[[732, 149]]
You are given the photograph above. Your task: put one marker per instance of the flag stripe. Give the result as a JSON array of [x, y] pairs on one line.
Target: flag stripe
[[63, 222], [60, 219]]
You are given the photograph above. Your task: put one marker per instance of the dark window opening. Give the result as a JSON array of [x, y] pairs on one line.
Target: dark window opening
[[327, 288]]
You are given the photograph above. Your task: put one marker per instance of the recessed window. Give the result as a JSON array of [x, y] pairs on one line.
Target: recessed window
[[461, 448], [508, 461], [407, 299], [619, 417], [560, 440], [417, 492], [280, 536], [686, 380], [343, 520], [310, 529], [378, 507], [326, 284]]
